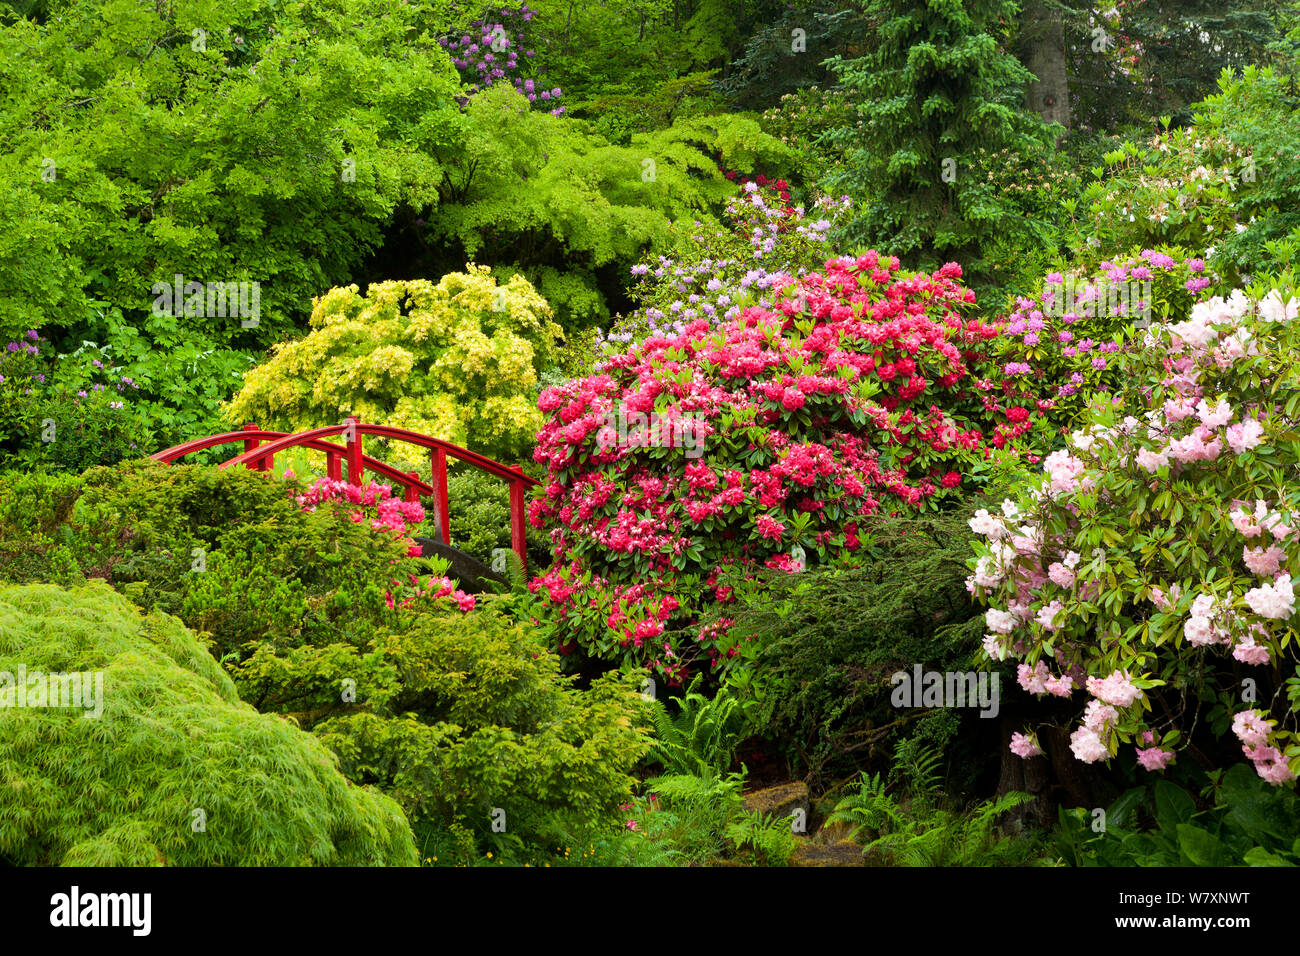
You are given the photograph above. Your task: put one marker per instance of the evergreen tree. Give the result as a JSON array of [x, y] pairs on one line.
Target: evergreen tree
[[937, 88]]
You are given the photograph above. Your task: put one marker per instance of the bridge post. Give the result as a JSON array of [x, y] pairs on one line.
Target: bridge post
[[353, 438], [411, 493], [441, 503], [517, 515], [250, 444], [333, 466]]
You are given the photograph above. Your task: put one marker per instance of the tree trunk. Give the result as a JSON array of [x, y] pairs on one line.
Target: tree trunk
[[1028, 776], [1042, 51]]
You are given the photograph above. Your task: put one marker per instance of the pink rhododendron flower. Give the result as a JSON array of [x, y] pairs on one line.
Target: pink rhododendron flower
[[1060, 575], [1087, 746], [1098, 716], [1263, 561], [1244, 436], [1117, 689], [1024, 746], [1048, 614], [1032, 679], [1251, 728], [1059, 686], [1276, 600], [1003, 622], [1153, 758]]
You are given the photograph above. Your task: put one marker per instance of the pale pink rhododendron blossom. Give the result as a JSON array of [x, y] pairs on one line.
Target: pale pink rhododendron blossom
[[1154, 758], [1087, 746], [1117, 689], [1276, 600], [1025, 746], [1263, 561], [1033, 679], [1177, 596]]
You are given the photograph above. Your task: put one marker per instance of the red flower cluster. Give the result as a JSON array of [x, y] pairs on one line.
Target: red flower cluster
[[774, 437]]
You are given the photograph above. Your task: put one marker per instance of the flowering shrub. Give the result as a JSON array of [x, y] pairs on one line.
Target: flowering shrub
[[1070, 333], [849, 395], [61, 413], [389, 515], [1161, 542], [456, 360], [720, 271], [1228, 182], [488, 53]]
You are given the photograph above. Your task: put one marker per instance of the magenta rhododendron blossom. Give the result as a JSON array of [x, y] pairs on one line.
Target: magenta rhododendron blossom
[[850, 395]]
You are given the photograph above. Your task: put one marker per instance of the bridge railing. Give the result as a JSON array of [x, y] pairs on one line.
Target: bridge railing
[[261, 457]]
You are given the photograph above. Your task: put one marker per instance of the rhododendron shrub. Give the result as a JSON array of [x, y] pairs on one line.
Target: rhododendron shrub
[[718, 270], [850, 395], [1070, 334], [1147, 573]]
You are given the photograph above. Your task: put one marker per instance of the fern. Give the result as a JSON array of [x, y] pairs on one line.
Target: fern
[[870, 808], [918, 764], [702, 738], [772, 838]]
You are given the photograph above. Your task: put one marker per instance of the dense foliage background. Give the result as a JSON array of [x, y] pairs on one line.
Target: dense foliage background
[[843, 337]]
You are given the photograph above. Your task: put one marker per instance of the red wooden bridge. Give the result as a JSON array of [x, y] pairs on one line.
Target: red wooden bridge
[[261, 457]]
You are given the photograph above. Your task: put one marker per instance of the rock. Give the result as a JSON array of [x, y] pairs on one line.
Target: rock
[[843, 853], [781, 800], [467, 569]]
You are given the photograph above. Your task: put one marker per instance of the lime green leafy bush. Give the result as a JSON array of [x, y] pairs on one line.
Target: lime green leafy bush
[[174, 770], [458, 360]]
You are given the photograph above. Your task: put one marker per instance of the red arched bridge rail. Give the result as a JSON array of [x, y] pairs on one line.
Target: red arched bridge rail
[[261, 457]]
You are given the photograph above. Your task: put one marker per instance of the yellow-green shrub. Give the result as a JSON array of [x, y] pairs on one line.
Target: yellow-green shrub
[[174, 770], [458, 360]]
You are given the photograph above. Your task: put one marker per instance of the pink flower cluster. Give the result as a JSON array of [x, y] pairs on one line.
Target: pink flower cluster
[[390, 514], [850, 395], [1253, 731], [1045, 587]]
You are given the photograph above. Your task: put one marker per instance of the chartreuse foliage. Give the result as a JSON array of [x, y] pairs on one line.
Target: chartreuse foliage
[[224, 141], [175, 770], [458, 360], [552, 197]]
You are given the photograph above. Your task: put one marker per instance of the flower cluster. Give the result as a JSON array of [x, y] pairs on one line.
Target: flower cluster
[[723, 270], [489, 53], [1151, 486], [385, 514], [850, 394], [1073, 331], [390, 514]]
